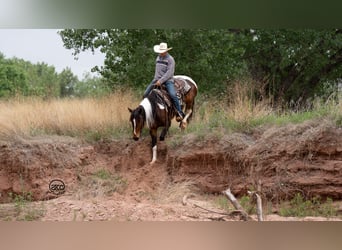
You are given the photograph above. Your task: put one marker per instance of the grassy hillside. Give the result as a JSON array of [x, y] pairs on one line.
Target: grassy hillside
[[95, 118]]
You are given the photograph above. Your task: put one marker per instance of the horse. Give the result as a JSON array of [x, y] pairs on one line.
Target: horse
[[156, 110]]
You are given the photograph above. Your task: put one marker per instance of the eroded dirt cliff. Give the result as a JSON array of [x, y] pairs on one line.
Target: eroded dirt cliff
[[283, 161]]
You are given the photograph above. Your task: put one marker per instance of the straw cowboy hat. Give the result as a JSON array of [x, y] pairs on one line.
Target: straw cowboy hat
[[161, 48]]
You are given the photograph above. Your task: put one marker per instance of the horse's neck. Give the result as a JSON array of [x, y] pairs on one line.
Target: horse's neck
[[147, 106]]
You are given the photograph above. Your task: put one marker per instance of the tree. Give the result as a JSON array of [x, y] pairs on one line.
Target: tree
[[12, 79], [20, 77], [295, 64], [67, 82], [91, 86], [210, 57], [292, 64]]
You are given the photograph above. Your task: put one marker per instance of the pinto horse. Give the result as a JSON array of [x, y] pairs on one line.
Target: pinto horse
[[156, 110]]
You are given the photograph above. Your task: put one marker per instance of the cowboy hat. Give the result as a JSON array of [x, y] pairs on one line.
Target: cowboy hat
[[161, 48]]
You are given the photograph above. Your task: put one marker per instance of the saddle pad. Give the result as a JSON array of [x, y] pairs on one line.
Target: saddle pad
[[181, 86]]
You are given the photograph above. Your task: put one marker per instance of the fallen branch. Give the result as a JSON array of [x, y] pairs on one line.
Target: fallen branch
[[259, 205], [219, 218], [185, 202], [236, 204], [211, 211]]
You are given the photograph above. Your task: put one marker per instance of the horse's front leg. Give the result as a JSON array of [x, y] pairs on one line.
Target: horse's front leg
[[165, 129], [153, 133], [163, 134]]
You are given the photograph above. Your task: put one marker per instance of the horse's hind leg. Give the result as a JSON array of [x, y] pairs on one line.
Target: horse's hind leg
[[188, 114]]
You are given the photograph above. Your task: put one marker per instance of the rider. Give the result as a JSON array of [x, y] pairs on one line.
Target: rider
[[165, 68]]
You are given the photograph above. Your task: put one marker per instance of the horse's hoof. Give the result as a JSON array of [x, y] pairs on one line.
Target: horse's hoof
[[183, 125], [152, 162], [178, 118]]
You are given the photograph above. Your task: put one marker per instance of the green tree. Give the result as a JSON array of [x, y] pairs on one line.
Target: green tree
[[91, 86], [295, 64], [12, 78], [292, 64], [208, 56], [48, 80], [67, 82]]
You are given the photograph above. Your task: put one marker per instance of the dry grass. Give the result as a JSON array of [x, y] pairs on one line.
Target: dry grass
[[94, 118], [174, 192], [242, 105], [26, 117], [237, 110]]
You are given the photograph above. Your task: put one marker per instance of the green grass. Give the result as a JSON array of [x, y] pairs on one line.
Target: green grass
[[102, 174], [24, 208], [222, 202], [301, 207]]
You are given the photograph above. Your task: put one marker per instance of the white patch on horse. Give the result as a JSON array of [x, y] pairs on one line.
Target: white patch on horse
[[161, 106], [134, 126], [187, 115], [186, 78], [154, 154], [148, 111]]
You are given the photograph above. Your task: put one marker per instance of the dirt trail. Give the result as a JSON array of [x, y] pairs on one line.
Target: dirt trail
[[305, 158]]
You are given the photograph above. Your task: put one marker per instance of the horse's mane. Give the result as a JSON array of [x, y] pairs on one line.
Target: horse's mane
[[159, 96]]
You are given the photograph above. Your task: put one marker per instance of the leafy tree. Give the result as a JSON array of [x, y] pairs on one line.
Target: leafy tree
[[292, 64], [210, 57], [295, 64], [67, 82], [20, 77], [48, 80], [12, 79], [91, 86]]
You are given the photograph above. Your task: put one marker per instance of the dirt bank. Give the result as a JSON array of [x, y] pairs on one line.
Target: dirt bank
[[305, 158]]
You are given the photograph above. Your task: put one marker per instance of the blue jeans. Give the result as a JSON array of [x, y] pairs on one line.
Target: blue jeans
[[170, 87]]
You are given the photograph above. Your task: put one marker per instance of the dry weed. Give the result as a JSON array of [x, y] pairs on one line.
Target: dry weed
[[31, 116], [174, 192], [242, 104]]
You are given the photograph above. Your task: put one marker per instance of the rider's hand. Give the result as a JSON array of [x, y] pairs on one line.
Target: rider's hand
[[158, 83]]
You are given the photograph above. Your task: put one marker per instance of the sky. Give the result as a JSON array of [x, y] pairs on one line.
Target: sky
[[45, 45]]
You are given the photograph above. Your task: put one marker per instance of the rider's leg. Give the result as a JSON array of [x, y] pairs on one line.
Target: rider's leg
[[148, 89], [172, 92]]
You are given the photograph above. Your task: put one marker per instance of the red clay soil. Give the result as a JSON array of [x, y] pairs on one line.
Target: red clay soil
[[304, 158], [283, 161]]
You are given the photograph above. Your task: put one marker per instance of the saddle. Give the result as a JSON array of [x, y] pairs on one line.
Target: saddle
[[181, 87], [163, 97]]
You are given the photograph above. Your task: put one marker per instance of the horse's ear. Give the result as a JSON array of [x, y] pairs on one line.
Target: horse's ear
[[130, 110]]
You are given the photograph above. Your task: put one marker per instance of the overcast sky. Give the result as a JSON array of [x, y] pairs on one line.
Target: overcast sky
[[45, 45]]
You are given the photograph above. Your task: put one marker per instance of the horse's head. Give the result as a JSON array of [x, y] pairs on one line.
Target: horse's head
[[137, 120]]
